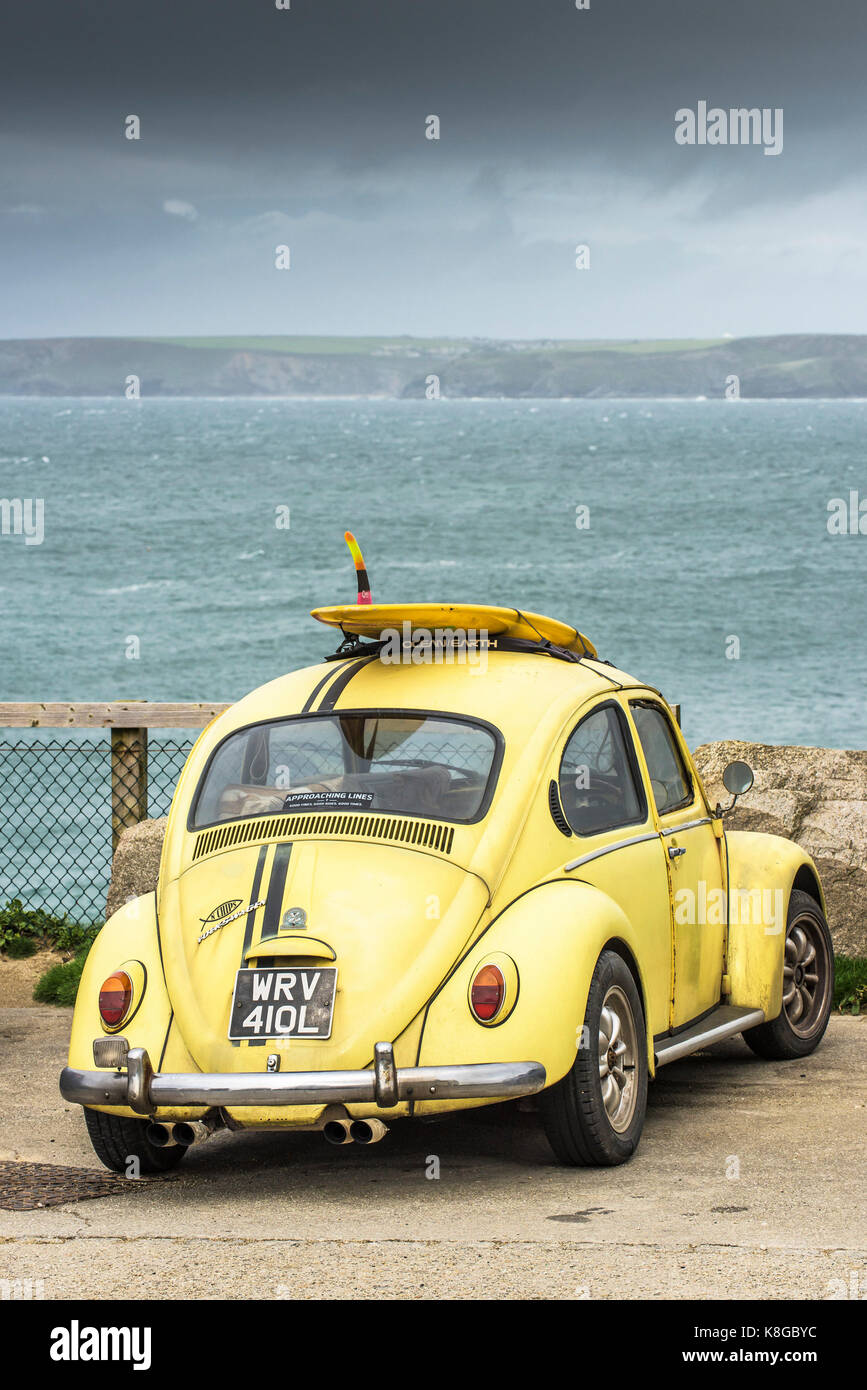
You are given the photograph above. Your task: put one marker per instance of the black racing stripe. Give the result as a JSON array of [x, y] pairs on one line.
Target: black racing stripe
[[329, 675], [337, 689], [276, 888], [273, 903], [251, 915], [254, 898]]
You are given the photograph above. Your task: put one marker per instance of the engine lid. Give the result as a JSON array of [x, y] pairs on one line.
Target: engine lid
[[392, 920]]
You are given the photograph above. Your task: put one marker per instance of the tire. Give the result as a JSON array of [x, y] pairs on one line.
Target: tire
[[116, 1140], [581, 1128], [809, 963]]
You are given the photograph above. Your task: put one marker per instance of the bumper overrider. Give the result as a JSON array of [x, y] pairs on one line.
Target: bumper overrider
[[143, 1090]]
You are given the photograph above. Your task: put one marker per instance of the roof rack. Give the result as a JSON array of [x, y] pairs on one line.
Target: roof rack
[[355, 646]]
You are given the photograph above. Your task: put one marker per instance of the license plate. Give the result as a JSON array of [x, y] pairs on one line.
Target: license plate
[[283, 1003]]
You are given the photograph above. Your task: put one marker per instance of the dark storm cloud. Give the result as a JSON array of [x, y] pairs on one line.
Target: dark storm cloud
[[522, 66], [557, 125]]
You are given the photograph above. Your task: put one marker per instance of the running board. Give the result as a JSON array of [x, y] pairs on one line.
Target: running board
[[724, 1022]]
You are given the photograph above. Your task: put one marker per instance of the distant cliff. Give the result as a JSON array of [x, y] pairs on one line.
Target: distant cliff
[[800, 365]]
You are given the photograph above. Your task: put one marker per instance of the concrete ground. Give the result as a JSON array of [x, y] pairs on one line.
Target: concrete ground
[[749, 1183]]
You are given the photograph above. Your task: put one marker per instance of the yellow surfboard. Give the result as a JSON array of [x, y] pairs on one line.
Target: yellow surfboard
[[372, 619]]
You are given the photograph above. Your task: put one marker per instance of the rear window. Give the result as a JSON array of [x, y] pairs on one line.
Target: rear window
[[425, 765]]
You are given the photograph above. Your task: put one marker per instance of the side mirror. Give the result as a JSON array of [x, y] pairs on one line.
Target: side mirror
[[737, 779]]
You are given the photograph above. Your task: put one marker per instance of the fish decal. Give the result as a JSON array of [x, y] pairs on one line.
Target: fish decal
[[222, 911], [225, 913]]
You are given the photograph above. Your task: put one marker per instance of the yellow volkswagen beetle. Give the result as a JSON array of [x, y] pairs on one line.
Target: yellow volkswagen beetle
[[463, 860]]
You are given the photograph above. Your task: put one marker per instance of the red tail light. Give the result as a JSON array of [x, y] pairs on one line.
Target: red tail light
[[487, 993], [115, 998]]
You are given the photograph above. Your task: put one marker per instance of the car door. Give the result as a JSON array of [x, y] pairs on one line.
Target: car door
[[618, 847], [693, 862]]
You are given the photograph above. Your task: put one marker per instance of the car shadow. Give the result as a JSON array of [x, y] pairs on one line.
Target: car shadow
[[497, 1135]]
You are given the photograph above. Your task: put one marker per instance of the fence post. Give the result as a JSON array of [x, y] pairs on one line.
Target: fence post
[[129, 780]]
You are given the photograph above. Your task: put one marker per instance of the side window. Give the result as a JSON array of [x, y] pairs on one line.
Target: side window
[[599, 784], [669, 780]]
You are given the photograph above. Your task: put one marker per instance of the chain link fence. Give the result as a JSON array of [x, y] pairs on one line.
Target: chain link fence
[[58, 803]]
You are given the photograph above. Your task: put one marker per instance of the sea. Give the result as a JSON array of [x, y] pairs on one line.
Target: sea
[[183, 543], [688, 539]]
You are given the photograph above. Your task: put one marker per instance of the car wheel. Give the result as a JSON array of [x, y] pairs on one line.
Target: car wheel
[[808, 985], [594, 1115], [116, 1140]]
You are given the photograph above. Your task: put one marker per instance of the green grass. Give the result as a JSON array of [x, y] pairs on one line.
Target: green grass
[[59, 984], [312, 345], [20, 947], [850, 986], [24, 931], [638, 345]]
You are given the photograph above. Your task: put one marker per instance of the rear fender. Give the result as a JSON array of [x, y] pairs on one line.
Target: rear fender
[[555, 934], [130, 935]]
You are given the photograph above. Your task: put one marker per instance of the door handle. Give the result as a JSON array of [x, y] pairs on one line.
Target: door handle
[[675, 851]]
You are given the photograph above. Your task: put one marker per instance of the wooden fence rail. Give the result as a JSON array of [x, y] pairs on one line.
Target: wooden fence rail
[[112, 714]]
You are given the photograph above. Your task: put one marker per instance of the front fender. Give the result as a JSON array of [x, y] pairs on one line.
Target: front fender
[[762, 870], [554, 933]]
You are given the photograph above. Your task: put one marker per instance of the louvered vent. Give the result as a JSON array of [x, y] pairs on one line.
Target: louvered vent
[[557, 810], [399, 829]]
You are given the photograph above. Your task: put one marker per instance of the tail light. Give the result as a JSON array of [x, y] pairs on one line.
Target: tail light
[[115, 998], [487, 993]]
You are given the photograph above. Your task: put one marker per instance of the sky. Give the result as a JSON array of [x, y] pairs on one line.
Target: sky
[[306, 127]]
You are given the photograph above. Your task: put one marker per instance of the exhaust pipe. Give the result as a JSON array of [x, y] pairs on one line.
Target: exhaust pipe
[[338, 1131], [187, 1132], [160, 1135], [368, 1131]]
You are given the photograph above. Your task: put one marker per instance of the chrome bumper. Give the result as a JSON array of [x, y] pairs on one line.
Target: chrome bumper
[[144, 1090]]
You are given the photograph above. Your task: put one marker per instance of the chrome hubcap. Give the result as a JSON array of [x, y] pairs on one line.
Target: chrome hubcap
[[806, 976], [617, 1054]]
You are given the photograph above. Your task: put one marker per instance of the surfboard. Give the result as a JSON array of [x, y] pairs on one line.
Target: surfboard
[[372, 619]]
